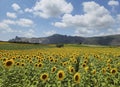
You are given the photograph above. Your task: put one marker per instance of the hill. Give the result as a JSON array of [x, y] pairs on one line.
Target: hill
[[57, 38]]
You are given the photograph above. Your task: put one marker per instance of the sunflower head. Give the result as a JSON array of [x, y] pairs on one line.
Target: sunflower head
[[40, 65], [113, 71], [86, 69], [36, 65], [71, 69], [53, 69], [13, 58], [75, 61], [22, 64], [84, 65], [94, 72], [9, 63], [51, 60], [103, 70], [60, 75], [85, 61], [77, 77], [17, 63], [55, 60], [30, 61], [109, 60], [4, 59], [64, 63], [44, 77]]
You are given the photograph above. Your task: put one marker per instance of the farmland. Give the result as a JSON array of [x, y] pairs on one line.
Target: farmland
[[37, 65]]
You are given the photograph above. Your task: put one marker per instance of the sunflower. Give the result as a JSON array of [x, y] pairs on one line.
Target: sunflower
[[17, 63], [64, 63], [71, 69], [22, 64], [9, 63], [113, 71], [109, 67], [84, 65], [44, 77], [40, 65], [94, 71], [36, 65], [13, 58], [109, 60], [75, 61], [86, 61], [60, 75], [39, 60], [30, 61], [53, 69], [103, 70], [5, 59], [86, 69], [55, 60], [77, 77]]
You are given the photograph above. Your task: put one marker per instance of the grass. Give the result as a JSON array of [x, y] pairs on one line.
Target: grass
[[25, 46], [22, 46]]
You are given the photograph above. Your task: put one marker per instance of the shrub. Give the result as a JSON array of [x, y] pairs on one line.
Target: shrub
[[59, 45]]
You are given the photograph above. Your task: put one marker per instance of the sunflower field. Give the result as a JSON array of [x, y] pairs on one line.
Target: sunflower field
[[69, 66]]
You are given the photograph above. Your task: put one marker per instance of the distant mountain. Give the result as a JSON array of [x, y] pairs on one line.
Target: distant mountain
[[57, 38], [103, 40]]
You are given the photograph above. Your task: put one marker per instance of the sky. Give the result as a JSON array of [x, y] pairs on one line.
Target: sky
[[41, 18]]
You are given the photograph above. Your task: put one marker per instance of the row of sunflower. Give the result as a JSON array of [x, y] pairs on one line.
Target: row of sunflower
[[60, 67]]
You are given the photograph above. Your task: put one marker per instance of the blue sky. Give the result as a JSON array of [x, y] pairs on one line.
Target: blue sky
[[41, 18]]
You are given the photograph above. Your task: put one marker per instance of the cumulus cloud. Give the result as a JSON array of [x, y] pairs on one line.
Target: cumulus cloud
[[22, 22], [113, 3], [84, 32], [15, 6], [11, 15], [5, 28], [28, 10], [25, 22], [50, 8], [5, 25], [94, 17], [48, 33], [29, 33], [9, 21]]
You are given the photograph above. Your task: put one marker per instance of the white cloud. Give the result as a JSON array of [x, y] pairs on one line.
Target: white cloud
[[15, 6], [5, 28], [22, 22], [60, 24], [113, 3], [84, 32], [11, 15], [95, 17], [29, 33], [111, 31], [48, 33], [9, 21], [25, 22], [28, 10], [50, 8]]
